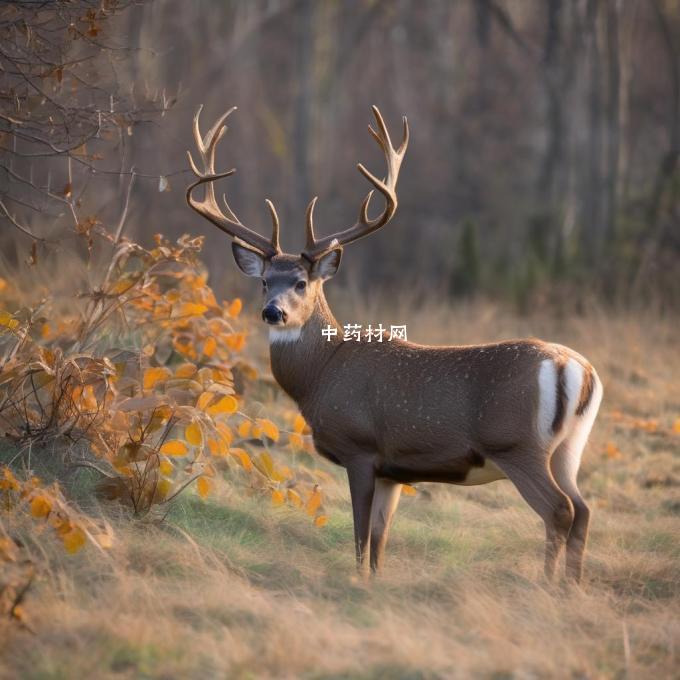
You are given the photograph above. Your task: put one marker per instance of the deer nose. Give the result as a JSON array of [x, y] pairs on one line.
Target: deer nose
[[273, 315]]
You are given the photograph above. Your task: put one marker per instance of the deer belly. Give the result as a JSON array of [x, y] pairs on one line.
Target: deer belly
[[467, 470]]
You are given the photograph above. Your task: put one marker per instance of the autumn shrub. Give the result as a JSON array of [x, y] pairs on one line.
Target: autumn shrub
[[137, 383]]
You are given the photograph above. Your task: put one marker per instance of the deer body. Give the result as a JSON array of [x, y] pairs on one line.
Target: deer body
[[396, 412]]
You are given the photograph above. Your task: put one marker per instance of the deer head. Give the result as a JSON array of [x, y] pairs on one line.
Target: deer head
[[291, 284]]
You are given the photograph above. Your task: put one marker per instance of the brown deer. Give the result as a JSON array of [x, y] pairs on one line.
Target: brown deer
[[396, 412]]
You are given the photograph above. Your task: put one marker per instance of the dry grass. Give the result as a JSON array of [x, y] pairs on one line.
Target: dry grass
[[233, 588]]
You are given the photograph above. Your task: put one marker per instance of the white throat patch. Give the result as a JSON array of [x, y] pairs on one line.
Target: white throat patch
[[284, 334]]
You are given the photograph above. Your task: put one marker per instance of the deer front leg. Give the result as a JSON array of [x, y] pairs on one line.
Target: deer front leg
[[385, 499], [361, 477]]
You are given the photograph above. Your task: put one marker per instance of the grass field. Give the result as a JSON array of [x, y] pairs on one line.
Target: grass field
[[233, 587]]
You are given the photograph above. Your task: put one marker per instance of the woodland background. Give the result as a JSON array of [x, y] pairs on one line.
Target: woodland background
[[545, 134]]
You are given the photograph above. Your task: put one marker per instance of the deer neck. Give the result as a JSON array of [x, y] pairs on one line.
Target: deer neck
[[298, 356]]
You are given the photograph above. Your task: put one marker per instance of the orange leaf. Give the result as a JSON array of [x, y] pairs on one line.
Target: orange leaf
[[676, 426], [226, 404], [225, 433], [174, 447], [244, 429], [299, 424], [295, 441], [185, 370], [193, 434], [155, 375], [162, 490], [74, 540], [204, 486], [204, 400], [314, 502], [277, 497], [192, 309], [269, 429], [235, 307], [209, 346], [40, 507], [243, 458], [166, 468], [265, 465], [320, 521], [294, 498]]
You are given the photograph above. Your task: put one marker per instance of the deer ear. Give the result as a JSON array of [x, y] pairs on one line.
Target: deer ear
[[250, 262], [327, 265]]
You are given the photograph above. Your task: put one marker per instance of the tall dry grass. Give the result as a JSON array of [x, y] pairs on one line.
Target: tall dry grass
[[235, 588]]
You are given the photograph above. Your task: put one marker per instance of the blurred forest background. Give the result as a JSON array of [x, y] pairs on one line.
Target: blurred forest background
[[543, 163]]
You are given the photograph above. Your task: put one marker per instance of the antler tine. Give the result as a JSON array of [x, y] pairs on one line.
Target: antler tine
[[387, 187], [275, 226], [208, 207]]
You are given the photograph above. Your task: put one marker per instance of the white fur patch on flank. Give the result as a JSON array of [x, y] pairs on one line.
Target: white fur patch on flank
[[284, 334], [573, 381], [547, 399]]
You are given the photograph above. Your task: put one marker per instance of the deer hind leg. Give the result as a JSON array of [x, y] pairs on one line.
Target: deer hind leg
[[385, 500], [534, 481], [565, 463]]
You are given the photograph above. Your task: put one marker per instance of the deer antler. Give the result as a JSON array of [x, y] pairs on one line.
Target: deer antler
[[208, 207], [387, 187]]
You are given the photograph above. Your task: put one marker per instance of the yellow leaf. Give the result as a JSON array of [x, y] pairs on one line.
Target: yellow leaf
[[244, 429], [209, 346], [277, 497], [320, 521], [104, 540], [235, 341], [256, 432], [225, 433], [243, 458], [185, 370], [299, 424], [74, 540], [174, 447], [295, 441], [204, 486], [294, 498], [265, 465], [408, 490], [166, 468], [40, 507], [204, 400], [192, 309], [155, 375], [193, 434], [162, 490], [7, 320], [235, 307], [226, 404], [269, 429], [314, 502]]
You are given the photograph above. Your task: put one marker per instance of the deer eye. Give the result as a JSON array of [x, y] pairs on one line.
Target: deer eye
[[300, 286], [264, 285]]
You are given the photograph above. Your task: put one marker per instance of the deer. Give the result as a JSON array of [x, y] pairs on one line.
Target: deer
[[395, 413]]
